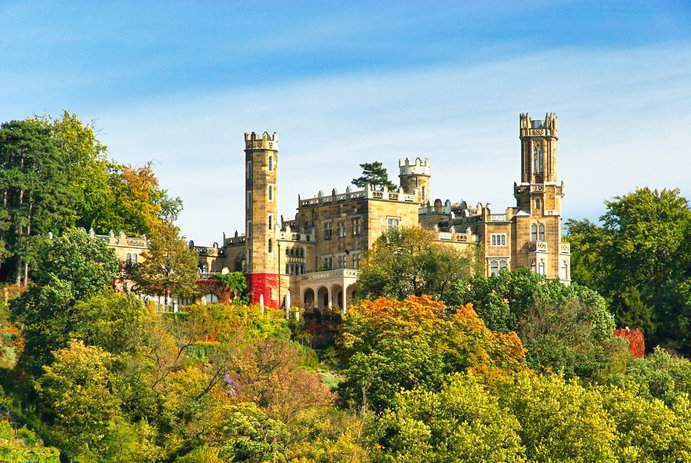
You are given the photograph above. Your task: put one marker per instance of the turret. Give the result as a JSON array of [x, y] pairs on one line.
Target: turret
[[415, 178], [261, 212]]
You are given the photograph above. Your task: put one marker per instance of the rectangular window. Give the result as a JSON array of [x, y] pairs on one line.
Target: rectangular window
[[270, 246], [271, 163], [327, 231], [356, 261], [271, 192], [341, 230], [493, 267], [327, 263], [356, 226], [498, 239], [341, 261], [271, 221], [393, 222]]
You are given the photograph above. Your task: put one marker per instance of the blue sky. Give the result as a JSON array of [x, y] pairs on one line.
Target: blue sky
[[349, 82]]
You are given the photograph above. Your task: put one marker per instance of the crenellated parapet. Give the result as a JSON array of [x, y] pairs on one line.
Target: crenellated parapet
[[418, 167], [264, 141], [529, 127]]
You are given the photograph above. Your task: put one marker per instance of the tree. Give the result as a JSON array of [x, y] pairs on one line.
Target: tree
[[462, 422], [638, 259], [563, 327], [169, 266], [236, 284], [78, 402], [375, 175], [34, 189], [406, 261], [74, 266], [388, 345]]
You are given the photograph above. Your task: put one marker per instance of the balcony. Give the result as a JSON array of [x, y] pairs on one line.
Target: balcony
[[537, 246], [338, 273]]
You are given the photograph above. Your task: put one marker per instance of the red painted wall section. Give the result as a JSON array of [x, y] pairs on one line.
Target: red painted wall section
[[636, 341], [263, 283]]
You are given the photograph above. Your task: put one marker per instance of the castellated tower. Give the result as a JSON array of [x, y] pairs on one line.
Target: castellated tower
[[261, 213], [538, 191], [414, 178]]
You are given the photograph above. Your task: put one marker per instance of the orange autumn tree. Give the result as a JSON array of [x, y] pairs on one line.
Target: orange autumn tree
[[389, 345]]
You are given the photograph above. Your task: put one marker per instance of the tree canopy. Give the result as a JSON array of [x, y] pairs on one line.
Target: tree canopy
[[375, 175], [638, 258]]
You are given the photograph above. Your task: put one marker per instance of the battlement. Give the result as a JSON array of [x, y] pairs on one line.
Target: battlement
[[264, 141], [529, 127], [418, 167]]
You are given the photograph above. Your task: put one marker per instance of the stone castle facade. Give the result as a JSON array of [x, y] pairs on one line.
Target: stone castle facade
[[312, 260]]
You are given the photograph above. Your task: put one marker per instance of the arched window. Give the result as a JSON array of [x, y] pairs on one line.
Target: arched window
[[537, 158], [542, 232], [493, 267], [503, 265], [533, 232], [541, 267]]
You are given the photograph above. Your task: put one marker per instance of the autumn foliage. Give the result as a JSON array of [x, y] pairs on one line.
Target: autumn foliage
[[635, 339]]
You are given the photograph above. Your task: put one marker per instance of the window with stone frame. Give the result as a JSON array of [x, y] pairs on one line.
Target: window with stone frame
[[498, 239], [533, 232], [341, 230], [271, 163], [341, 261], [327, 230], [356, 261], [542, 232], [393, 222], [355, 223], [493, 267]]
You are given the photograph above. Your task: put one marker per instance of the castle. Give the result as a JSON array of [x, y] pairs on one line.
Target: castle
[[312, 260]]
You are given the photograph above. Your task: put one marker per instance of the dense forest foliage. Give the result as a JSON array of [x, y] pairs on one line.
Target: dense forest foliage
[[433, 363]]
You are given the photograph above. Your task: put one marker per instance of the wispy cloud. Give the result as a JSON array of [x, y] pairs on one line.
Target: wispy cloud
[[624, 122]]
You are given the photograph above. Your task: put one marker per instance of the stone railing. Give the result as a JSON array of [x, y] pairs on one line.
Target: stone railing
[[564, 248], [537, 246], [385, 195], [497, 218], [338, 273], [294, 236]]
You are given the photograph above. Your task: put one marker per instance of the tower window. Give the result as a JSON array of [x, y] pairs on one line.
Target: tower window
[[537, 158], [533, 232], [270, 246], [249, 170], [271, 163], [542, 232], [423, 192], [271, 221], [271, 192], [249, 200]]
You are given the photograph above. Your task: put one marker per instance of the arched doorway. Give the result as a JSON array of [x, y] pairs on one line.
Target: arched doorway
[[337, 296], [323, 298], [308, 298]]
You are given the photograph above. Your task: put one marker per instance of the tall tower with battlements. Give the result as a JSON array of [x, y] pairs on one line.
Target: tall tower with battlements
[[414, 178], [261, 217], [537, 242]]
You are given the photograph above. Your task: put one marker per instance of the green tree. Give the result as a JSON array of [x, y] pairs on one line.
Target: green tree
[[236, 283], [375, 175], [560, 421], [34, 189], [169, 266], [462, 422], [406, 261], [78, 402], [73, 267], [388, 345], [639, 260]]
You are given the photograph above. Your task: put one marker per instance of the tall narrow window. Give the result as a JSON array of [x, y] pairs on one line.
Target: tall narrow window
[[271, 221], [327, 231], [423, 193], [356, 226], [541, 267], [493, 267], [249, 200], [271, 192], [538, 204], [537, 158], [249, 170], [341, 230], [270, 246], [542, 232], [533, 232], [271, 163]]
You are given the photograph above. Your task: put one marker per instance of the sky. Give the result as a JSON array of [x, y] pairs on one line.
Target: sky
[[177, 83]]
